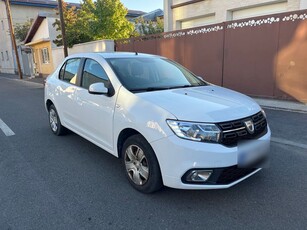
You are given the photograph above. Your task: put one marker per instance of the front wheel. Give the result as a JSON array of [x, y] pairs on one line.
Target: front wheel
[[141, 165], [55, 123]]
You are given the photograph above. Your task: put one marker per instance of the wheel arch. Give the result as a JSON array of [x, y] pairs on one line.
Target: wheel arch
[[48, 104], [123, 136]]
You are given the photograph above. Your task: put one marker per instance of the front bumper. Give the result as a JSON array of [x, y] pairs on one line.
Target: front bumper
[[177, 156]]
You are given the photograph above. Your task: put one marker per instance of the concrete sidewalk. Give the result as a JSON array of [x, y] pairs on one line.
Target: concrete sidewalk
[[265, 103], [282, 105], [24, 78]]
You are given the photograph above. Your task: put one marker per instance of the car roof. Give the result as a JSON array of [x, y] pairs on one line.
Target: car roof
[[125, 54], [114, 54]]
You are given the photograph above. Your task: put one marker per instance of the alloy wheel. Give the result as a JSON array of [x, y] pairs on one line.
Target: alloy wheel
[[136, 165], [53, 119]]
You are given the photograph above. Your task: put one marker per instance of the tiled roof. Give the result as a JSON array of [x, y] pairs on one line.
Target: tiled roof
[[135, 13], [54, 4], [151, 16], [40, 3]]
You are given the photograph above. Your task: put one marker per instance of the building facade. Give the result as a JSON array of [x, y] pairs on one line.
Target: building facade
[[183, 14], [21, 11], [40, 38]]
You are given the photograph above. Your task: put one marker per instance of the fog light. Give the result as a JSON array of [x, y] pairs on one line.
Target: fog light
[[199, 175]]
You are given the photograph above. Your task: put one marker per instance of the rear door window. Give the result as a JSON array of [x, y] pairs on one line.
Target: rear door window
[[69, 70]]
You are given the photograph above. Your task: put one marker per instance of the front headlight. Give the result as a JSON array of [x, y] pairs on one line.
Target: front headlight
[[195, 131]]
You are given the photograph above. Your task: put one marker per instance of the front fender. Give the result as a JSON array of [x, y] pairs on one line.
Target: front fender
[[136, 113]]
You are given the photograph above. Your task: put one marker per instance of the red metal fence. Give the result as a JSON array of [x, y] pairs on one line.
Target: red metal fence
[[261, 56]]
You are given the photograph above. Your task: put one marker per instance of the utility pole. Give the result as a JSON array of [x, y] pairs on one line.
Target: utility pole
[[63, 27], [9, 17]]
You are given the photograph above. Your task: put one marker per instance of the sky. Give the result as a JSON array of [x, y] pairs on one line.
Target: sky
[[143, 5]]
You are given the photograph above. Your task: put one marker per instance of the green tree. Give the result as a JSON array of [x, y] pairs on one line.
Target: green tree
[[149, 27], [107, 19], [21, 30], [75, 27], [102, 19]]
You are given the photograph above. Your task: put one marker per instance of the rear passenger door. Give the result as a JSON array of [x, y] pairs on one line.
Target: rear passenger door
[[95, 112], [65, 92]]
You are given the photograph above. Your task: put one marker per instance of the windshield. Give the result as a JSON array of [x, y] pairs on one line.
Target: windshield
[[147, 74]]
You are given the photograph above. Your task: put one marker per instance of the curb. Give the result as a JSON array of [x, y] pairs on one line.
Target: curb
[[289, 106]]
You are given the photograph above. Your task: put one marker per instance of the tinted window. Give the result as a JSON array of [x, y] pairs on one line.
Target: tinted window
[[138, 74], [69, 70], [92, 73]]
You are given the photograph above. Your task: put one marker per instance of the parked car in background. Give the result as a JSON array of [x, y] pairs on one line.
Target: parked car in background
[[168, 126]]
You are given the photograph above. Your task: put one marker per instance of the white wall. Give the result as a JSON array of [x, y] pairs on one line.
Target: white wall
[[259, 10], [20, 14], [196, 14], [6, 65], [42, 31], [303, 4], [95, 46], [52, 31], [201, 21]]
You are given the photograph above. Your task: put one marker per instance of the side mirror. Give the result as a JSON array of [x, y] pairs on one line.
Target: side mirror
[[98, 88]]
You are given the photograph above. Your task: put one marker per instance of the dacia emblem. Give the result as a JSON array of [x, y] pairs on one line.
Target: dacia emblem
[[249, 126]]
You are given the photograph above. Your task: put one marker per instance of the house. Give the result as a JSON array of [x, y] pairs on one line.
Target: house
[[183, 14], [151, 16], [40, 38], [148, 18], [132, 14], [22, 11]]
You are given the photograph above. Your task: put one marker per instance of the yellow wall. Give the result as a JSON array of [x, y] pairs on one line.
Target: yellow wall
[[42, 68]]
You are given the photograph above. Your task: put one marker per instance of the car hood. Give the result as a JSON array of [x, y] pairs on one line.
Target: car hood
[[203, 104]]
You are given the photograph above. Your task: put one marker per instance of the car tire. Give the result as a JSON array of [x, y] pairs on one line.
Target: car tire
[[141, 165], [55, 123]]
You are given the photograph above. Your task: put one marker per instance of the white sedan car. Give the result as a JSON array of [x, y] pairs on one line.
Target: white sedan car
[[167, 125]]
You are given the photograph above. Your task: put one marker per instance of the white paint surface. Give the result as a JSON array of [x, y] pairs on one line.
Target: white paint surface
[[6, 130]]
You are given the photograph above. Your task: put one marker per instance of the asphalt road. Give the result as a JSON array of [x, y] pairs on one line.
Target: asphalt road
[[50, 182]]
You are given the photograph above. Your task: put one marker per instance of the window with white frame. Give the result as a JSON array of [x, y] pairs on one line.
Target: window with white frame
[[45, 55], [7, 55], [2, 56]]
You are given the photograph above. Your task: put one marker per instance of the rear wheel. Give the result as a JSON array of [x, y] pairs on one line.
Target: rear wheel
[[54, 121], [141, 165]]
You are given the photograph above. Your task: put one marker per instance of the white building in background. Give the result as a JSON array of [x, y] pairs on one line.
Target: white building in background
[[183, 14], [22, 11]]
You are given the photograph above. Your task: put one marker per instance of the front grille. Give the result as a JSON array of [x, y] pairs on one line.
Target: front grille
[[234, 131], [232, 174]]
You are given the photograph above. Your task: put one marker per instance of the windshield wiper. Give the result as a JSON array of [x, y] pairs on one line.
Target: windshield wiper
[[184, 86], [149, 89], [161, 88], [180, 86]]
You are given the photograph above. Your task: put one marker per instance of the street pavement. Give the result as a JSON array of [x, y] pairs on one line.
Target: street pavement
[[50, 182]]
